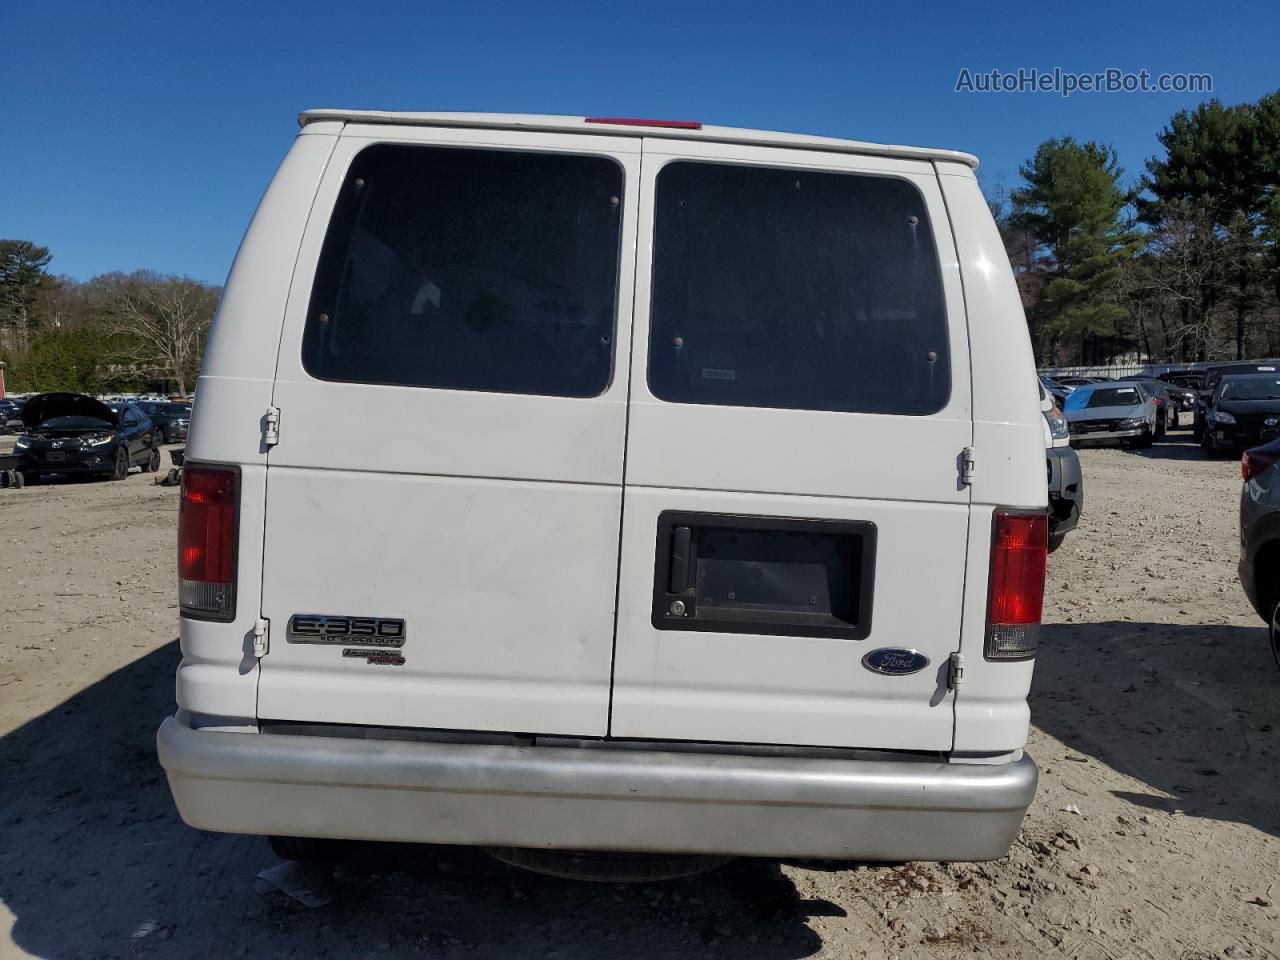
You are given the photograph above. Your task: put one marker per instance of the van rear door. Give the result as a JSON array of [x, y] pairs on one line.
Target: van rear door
[[443, 501], [795, 522]]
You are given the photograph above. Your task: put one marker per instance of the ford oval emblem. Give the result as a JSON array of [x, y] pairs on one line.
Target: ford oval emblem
[[1271, 421], [895, 661]]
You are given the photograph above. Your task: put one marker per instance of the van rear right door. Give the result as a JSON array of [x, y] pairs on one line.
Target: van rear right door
[[795, 521]]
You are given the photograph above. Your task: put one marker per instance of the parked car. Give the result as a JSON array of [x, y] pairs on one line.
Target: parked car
[[456, 628], [10, 412], [1243, 411], [1187, 379], [1124, 414], [1213, 375], [1260, 536], [1184, 398], [171, 419], [70, 433], [1066, 483], [1058, 391], [1166, 405], [1071, 380]]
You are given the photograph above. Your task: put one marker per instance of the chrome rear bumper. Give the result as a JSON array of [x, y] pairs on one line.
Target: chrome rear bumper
[[567, 798]]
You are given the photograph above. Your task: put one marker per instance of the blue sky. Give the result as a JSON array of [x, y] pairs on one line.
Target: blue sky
[[142, 134]]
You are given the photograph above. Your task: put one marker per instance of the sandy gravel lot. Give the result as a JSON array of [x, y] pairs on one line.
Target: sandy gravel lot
[[1154, 833]]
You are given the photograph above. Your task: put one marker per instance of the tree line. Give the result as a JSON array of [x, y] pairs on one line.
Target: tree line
[[1182, 265], [118, 331]]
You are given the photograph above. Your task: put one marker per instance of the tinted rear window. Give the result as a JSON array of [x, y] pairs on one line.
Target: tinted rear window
[[1114, 397], [795, 289], [470, 269]]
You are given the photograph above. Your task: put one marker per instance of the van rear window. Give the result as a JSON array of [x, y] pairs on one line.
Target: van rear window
[[469, 269], [796, 289]]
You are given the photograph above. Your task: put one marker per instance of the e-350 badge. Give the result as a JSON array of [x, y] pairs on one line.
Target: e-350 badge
[[346, 631]]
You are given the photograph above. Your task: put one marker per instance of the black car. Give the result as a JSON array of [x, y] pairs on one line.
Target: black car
[[1186, 379], [1260, 535], [1242, 411], [10, 410], [70, 433], [171, 419], [1212, 376]]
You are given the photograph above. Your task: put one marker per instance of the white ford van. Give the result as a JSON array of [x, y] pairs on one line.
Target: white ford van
[[567, 484]]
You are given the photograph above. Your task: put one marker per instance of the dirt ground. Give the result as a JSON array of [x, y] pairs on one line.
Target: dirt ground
[[1154, 833]]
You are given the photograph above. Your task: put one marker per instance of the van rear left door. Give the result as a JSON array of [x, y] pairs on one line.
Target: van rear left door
[[451, 435]]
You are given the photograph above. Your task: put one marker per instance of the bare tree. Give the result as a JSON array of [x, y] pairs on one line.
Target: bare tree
[[161, 321], [1181, 279]]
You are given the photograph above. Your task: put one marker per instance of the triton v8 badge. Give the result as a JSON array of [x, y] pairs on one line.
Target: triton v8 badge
[[346, 631], [895, 661]]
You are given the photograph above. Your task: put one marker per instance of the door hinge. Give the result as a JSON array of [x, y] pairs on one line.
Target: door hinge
[[955, 671], [271, 427], [260, 646], [968, 465]]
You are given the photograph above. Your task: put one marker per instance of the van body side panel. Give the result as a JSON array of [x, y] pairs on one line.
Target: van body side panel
[[485, 518], [722, 453], [218, 674], [991, 707]]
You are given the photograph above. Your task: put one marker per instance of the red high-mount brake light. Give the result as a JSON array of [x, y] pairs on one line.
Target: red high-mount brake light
[[1257, 460], [1019, 555], [207, 542], [638, 122]]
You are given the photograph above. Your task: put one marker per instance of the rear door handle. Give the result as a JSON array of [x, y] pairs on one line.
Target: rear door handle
[[681, 559]]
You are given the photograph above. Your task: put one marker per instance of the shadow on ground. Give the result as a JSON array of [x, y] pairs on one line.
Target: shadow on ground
[[1190, 711], [95, 863], [1179, 445]]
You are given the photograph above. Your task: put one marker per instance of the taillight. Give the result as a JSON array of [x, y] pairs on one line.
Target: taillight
[[1257, 460], [207, 542], [1019, 553]]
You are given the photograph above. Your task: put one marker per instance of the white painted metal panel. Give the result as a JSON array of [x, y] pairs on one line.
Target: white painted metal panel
[[991, 707], [755, 688], [487, 521], [899, 472], [506, 589]]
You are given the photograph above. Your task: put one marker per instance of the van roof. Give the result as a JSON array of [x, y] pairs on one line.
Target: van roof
[[635, 128]]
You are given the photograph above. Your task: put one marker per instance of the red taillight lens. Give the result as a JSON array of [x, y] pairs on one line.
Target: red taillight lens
[[207, 542], [639, 122], [1255, 461], [1019, 554]]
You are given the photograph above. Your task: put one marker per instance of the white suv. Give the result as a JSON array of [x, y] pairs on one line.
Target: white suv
[[613, 485]]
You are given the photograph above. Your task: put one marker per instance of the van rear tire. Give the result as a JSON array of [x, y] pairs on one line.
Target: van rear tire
[[608, 866]]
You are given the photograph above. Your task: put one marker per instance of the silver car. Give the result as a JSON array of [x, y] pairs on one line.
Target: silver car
[[1121, 413]]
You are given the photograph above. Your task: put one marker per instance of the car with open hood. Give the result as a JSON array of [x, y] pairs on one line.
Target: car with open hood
[[70, 433], [1123, 413], [1243, 411]]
